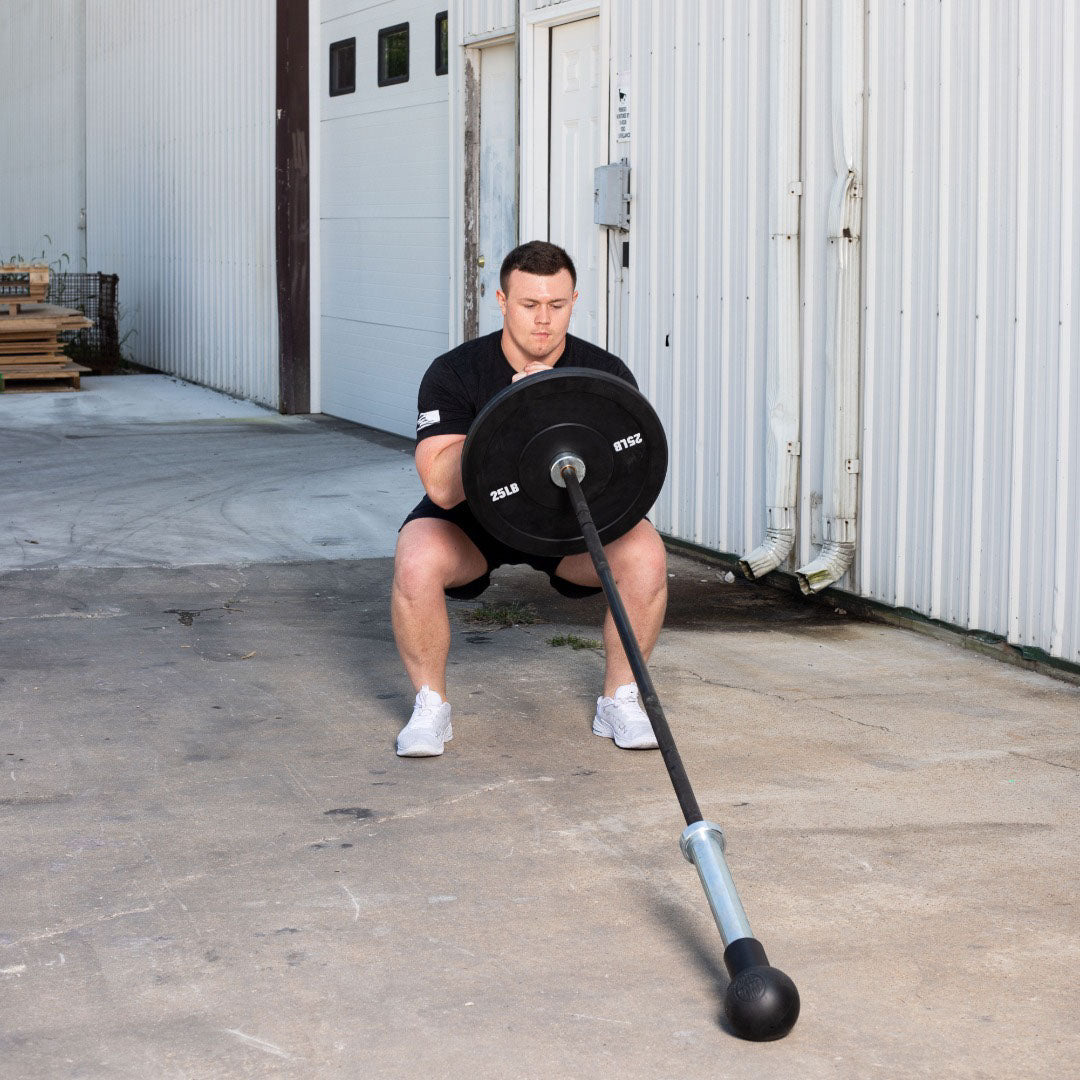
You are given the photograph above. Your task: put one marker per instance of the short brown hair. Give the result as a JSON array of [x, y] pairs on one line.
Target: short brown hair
[[536, 257]]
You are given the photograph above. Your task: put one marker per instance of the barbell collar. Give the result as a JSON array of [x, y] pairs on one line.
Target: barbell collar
[[567, 461]]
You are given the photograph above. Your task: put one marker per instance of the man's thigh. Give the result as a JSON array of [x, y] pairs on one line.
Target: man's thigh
[[435, 546], [640, 551]]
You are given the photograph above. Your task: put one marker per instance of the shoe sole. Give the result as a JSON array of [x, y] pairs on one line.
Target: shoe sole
[[602, 728], [426, 749]]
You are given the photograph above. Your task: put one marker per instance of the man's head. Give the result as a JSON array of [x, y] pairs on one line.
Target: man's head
[[537, 297], [538, 258]]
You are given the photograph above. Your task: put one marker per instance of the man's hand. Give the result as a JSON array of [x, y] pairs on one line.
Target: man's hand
[[533, 367]]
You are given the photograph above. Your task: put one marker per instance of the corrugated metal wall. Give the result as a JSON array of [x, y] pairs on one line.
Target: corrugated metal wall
[[42, 132], [483, 18], [693, 324], [970, 468], [180, 183], [971, 482]]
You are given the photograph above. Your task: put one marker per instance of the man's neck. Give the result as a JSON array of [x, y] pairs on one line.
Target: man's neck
[[518, 359]]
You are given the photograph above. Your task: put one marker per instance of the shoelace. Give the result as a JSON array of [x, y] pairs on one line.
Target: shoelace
[[427, 714]]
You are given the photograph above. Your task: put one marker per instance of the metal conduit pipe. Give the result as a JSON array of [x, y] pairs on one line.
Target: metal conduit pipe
[[841, 477], [782, 362]]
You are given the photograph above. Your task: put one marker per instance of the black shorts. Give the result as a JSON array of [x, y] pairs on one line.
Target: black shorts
[[495, 552]]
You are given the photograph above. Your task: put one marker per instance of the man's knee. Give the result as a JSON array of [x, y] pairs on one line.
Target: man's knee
[[641, 562], [431, 554]]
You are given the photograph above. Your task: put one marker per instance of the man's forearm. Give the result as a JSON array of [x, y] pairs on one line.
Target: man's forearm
[[441, 477]]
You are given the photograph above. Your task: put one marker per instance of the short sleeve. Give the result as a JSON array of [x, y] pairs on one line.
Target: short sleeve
[[443, 407], [624, 372]]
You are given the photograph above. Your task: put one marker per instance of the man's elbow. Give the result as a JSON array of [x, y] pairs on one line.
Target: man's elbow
[[443, 497]]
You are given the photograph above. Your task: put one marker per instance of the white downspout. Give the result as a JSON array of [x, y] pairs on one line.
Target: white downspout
[[842, 343], [782, 363]]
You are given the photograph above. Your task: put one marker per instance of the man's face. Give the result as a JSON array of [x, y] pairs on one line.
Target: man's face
[[536, 312]]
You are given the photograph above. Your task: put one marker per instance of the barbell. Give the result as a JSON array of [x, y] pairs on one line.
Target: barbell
[[563, 462]]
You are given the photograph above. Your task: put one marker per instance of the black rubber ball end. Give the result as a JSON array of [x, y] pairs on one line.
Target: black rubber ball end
[[761, 1004]]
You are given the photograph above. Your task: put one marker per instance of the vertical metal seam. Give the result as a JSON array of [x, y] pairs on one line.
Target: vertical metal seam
[[701, 353], [654, 205], [944, 284], [676, 205], [1065, 466], [810, 290], [750, 433], [982, 274], [634, 331], [900, 590], [724, 247], [869, 572], [1020, 326]]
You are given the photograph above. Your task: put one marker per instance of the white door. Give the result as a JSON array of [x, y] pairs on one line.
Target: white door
[[576, 148], [497, 218]]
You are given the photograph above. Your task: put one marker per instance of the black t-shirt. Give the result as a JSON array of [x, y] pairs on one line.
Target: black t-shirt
[[461, 382]]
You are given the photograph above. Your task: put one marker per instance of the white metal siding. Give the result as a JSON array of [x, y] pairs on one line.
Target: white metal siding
[[42, 132], [180, 183], [485, 18], [971, 482], [970, 468], [694, 328]]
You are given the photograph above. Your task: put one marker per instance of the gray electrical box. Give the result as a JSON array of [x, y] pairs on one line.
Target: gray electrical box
[[611, 195]]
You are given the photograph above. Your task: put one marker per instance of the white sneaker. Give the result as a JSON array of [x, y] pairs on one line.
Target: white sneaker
[[428, 728], [623, 719]]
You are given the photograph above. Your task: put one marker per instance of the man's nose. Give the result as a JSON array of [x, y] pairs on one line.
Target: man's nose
[[543, 314]]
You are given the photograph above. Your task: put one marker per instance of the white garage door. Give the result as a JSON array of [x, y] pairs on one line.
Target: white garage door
[[385, 207]]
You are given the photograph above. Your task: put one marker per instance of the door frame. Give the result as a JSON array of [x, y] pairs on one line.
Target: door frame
[[535, 49], [472, 74]]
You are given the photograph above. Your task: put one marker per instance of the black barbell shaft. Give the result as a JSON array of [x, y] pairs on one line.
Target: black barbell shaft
[[761, 1002], [647, 692], [532, 439]]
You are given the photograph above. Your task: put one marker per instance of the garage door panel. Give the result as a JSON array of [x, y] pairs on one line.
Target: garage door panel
[[376, 164], [375, 372], [387, 270]]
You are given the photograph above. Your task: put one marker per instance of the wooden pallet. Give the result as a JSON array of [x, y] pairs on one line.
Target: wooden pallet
[[22, 285], [41, 317], [30, 349], [29, 378], [30, 342]]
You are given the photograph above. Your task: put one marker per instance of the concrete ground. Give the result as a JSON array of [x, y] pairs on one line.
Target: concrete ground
[[215, 866]]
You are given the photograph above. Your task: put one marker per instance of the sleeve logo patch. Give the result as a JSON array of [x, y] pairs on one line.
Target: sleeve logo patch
[[426, 419]]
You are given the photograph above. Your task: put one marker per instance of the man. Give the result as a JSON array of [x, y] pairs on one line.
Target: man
[[442, 550]]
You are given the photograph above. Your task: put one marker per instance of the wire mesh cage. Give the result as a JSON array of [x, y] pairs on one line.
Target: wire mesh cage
[[94, 295]]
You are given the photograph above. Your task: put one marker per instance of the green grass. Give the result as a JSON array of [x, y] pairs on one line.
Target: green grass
[[574, 642], [502, 615]]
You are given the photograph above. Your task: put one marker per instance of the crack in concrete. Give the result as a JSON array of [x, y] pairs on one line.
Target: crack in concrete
[[1045, 761], [777, 696], [732, 686], [861, 723]]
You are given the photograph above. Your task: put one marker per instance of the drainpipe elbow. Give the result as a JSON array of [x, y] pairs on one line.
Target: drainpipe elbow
[[768, 555], [831, 565]]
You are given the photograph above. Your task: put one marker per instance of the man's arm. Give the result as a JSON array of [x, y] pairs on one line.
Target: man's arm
[[438, 463]]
